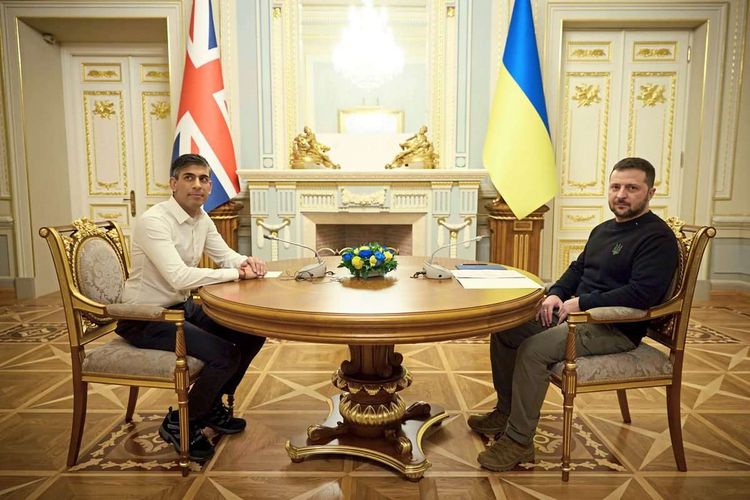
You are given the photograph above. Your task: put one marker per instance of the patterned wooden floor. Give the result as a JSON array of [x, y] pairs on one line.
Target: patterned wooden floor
[[288, 387]]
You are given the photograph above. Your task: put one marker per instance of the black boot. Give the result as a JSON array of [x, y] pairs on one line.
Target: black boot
[[200, 448], [220, 420]]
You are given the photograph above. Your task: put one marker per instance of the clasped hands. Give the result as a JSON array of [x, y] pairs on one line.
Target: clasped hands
[[552, 302], [252, 267]]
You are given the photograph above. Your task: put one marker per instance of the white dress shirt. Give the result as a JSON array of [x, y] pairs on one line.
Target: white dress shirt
[[167, 244]]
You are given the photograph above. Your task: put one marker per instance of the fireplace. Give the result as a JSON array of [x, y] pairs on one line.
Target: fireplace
[[416, 211], [338, 236]]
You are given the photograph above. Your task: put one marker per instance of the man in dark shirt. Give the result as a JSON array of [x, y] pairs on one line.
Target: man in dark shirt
[[628, 261]]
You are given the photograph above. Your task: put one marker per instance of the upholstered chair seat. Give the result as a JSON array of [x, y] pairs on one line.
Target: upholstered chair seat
[[92, 263], [645, 366], [119, 358], [644, 362]]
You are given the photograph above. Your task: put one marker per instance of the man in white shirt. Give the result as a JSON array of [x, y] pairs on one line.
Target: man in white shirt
[[168, 241]]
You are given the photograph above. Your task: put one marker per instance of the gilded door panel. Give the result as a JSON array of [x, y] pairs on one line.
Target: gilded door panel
[[585, 132], [119, 213], [152, 152], [106, 144], [623, 93], [576, 217], [120, 131]]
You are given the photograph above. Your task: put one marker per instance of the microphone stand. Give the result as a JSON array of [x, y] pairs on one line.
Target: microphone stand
[[317, 270], [436, 271]]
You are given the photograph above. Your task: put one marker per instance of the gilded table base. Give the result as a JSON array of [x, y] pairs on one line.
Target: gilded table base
[[334, 436]]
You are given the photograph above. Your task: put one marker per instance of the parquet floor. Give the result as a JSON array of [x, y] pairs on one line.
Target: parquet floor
[[288, 387]]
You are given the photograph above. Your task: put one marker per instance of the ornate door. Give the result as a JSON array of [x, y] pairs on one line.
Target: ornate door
[[120, 132], [623, 93]]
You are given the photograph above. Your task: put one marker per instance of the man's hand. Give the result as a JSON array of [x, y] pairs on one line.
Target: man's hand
[[569, 306], [544, 314], [252, 267]]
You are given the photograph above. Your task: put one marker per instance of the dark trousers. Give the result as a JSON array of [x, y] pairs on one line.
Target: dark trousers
[[521, 361], [226, 353]]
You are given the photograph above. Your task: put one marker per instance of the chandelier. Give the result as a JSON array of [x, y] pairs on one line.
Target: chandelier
[[367, 54]]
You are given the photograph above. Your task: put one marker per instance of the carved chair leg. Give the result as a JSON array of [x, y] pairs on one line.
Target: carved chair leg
[[675, 427], [80, 396], [622, 398], [567, 433], [132, 399], [184, 435]]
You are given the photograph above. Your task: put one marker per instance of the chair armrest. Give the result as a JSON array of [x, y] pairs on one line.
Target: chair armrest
[[617, 314], [141, 312]]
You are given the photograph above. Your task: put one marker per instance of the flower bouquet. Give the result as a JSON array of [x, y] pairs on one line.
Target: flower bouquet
[[371, 259]]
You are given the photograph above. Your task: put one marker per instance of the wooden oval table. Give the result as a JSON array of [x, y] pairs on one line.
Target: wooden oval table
[[369, 419]]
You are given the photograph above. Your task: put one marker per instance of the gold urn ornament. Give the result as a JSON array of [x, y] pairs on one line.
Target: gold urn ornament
[[416, 152], [307, 152]]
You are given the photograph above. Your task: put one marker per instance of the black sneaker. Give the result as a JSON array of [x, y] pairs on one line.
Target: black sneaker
[[220, 420], [200, 448]]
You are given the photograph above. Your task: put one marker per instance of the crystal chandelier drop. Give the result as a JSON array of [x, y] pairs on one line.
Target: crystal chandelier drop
[[367, 54]]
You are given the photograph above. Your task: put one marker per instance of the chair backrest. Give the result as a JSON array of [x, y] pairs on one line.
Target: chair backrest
[[92, 263], [692, 241]]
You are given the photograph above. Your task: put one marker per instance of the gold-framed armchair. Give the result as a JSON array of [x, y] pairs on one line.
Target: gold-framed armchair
[[645, 366], [92, 263]]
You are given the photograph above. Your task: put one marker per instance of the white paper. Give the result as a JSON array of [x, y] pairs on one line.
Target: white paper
[[272, 274], [473, 283], [487, 273]]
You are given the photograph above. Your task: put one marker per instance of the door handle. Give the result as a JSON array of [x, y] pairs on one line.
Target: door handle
[[131, 200]]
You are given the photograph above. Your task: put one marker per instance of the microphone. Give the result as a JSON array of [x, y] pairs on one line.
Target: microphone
[[436, 271], [317, 270]]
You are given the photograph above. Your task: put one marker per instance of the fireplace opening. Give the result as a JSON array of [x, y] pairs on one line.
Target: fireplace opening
[[338, 236]]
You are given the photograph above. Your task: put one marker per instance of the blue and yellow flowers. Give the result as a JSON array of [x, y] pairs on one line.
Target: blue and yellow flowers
[[367, 259]]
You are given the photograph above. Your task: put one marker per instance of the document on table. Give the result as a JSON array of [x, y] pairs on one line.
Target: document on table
[[476, 279], [272, 274]]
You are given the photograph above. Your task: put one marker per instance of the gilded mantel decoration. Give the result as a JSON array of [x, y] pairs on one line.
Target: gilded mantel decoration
[[307, 152], [416, 152]]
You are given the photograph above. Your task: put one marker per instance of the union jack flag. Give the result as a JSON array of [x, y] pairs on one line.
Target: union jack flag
[[202, 121]]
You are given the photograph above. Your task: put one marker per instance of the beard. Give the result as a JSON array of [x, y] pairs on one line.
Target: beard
[[631, 211]]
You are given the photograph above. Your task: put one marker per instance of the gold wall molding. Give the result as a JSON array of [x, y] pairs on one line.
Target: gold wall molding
[[654, 51], [96, 185], [154, 72], [5, 164], [651, 94], [104, 109], [566, 250], [583, 187], [586, 94], [724, 176], [584, 51], [101, 72], [578, 217], [160, 110], [581, 218], [648, 95], [112, 211]]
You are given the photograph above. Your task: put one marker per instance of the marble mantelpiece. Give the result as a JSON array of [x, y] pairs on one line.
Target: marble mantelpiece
[[440, 205]]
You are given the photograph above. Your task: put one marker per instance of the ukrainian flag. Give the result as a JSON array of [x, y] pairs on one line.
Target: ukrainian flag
[[517, 149]]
